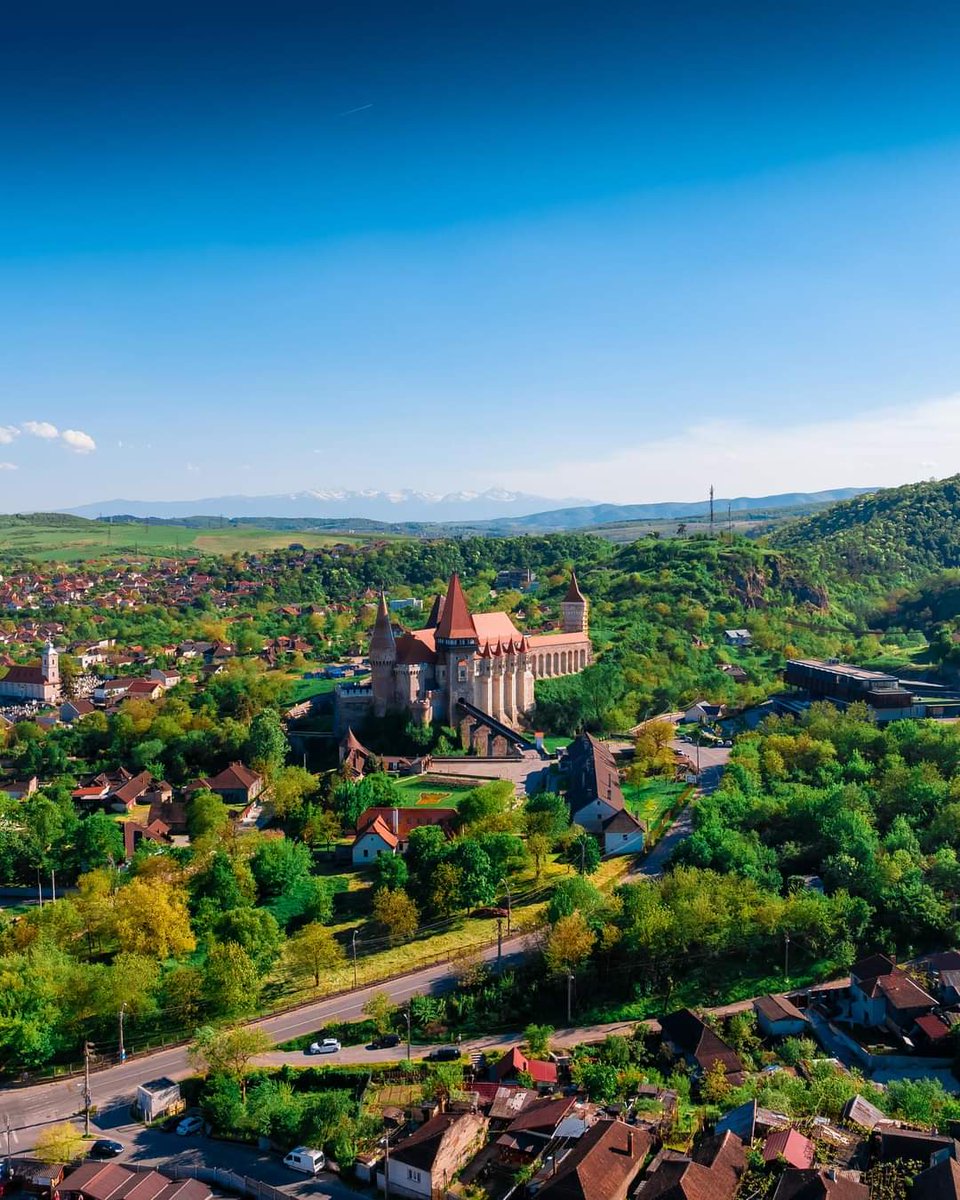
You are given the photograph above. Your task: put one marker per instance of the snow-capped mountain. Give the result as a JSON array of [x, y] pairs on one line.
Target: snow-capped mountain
[[406, 505]]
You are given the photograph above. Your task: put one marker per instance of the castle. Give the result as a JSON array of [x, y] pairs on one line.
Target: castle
[[480, 658], [34, 683]]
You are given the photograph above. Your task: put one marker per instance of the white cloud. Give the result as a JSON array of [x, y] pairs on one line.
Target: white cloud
[[78, 441], [41, 429], [884, 448], [8, 466], [7, 434]]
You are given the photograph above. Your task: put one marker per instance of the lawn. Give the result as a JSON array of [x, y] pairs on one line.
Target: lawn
[[553, 744], [303, 689], [436, 792], [649, 800]]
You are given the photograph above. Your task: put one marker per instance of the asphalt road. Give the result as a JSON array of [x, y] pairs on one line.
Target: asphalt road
[[112, 1089]]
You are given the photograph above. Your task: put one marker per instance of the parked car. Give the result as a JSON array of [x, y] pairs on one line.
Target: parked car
[[385, 1041], [306, 1160], [327, 1046], [444, 1054], [190, 1125], [105, 1148]]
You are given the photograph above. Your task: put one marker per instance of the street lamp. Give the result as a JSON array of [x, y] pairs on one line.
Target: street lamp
[[385, 1143], [506, 884], [353, 942]]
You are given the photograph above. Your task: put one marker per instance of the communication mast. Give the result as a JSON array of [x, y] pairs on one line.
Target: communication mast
[[711, 510]]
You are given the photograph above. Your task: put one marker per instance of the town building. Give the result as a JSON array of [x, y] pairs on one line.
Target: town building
[[842, 684], [424, 1164], [111, 1181], [478, 659], [41, 682], [596, 798]]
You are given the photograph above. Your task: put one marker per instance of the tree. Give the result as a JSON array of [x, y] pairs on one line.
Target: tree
[[568, 944], [229, 1051], [380, 1009], [256, 930], [487, 808], [291, 787], [152, 919], [278, 864], [396, 912], [539, 846], [716, 1086], [314, 950], [98, 842], [267, 743], [231, 980], [584, 853], [537, 1039], [478, 883], [391, 871], [206, 814], [59, 1144]]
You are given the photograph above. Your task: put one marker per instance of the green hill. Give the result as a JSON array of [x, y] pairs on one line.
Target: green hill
[[885, 539]]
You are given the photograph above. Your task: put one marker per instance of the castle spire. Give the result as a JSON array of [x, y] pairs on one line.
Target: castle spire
[[574, 595], [383, 639], [456, 623]]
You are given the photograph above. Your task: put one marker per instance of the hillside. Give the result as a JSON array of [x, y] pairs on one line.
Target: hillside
[[886, 538]]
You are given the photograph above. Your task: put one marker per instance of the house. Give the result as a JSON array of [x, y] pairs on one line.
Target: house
[[75, 710], [687, 1036], [623, 834], [749, 1120], [779, 1017], [859, 1111], [373, 839], [712, 1172], [401, 822], [111, 1181], [135, 790], [593, 791], [789, 1146], [158, 1098], [828, 1184], [737, 637], [170, 813], [144, 689], [602, 1165], [134, 832], [882, 994], [939, 1182], [527, 1135], [357, 761], [165, 677], [19, 789], [929, 1031], [703, 713], [111, 689], [515, 1063], [894, 1144], [236, 785], [425, 1163], [732, 671]]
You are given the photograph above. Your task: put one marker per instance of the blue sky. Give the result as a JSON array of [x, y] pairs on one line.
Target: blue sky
[[619, 251]]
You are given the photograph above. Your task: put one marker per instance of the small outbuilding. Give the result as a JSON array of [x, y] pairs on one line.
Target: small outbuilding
[[779, 1017], [159, 1098]]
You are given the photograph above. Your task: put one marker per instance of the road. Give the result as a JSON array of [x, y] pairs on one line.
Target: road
[[713, 759], [32, 1107]]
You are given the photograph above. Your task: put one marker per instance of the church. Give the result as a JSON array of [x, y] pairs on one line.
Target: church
[[34, 683], [479, 658]]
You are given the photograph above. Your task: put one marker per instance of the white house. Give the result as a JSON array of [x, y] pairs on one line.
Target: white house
[[374, 839], [425, 1164], [623, 834], [738, 637]]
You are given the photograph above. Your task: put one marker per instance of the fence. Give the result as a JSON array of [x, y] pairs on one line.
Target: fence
[[220, 1177]]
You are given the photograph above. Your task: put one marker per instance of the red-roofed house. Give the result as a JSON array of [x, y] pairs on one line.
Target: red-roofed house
[[236, 784], [790, 1146], [373, 839], [515, 1062]]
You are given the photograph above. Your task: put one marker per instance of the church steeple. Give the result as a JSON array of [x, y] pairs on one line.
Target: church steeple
[[456, 625], [383, 659], [383, 639]]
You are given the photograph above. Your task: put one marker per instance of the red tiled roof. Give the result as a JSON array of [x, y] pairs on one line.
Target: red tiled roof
[[382, 639], [408, 819], [791, 1146], [455, 619], [234, 777], [574, 595], [379, 827]]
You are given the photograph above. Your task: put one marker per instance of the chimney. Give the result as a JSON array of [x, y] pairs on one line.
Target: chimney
[[630, 1142], [395, 821]]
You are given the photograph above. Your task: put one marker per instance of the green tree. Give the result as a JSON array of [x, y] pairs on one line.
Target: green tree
[[391, 871], [396, 912], [568, 944], [314, 950], [207, 814], [231, 980], [229, 1051], [380, 1009], [537, 1040], [267, 743], [256, 930], [98, 842], [61, 1143]]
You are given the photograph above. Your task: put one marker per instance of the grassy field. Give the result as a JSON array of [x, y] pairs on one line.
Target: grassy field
[[94, 539], [425, 792], [647, 801], [303, 689]]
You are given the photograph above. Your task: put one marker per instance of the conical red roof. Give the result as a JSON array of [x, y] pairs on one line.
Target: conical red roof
[[455, 619], [574, 595], [434, 619], [382, 631]]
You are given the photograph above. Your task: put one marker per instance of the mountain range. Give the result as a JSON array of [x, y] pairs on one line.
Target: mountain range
[[495, 506]]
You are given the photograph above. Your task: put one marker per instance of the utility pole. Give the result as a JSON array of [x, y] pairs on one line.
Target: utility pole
[[711, 510], [39, 888], [86, 1089], [506, 884], [386, 1167], [408, 1034], [499, 942], [6, 1121], [353, 942], [569, 998], [786, 954], [730, 520], [123, 1053]]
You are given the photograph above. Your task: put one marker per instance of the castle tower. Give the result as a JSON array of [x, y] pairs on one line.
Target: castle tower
[[50, 664], [383, 658], [574, 608], [457, 643]]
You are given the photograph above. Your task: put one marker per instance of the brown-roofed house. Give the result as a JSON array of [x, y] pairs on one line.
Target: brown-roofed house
[[236, 784], [779, 1017], [686, 1035], [819, 1185], [939, 1182], [425, 1163], [602, 1165], [789, 1145], [712, 1173], [111, 1181]]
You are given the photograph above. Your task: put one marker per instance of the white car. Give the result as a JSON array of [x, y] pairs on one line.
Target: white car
[[190, 1125], [327, 1046]]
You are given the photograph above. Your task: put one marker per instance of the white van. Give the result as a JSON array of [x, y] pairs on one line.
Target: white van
[[306, 1160]]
